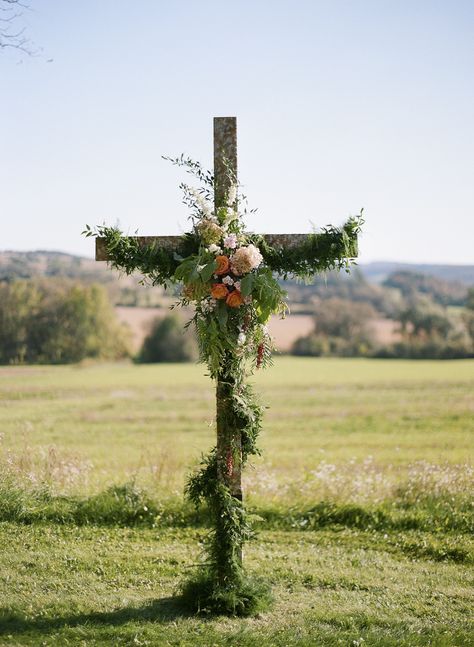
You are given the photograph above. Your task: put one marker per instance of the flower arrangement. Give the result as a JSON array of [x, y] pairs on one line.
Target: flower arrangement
[[229, 275], [227, 281]]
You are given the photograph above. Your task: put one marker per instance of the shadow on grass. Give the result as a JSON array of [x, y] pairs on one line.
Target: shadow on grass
[[160, 611]]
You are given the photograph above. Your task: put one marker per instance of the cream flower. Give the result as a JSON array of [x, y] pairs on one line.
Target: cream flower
[[246, 259], [203, 205], [232, 195], [208, 305]]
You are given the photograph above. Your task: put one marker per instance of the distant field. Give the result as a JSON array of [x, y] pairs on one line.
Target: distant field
[[364, 491]]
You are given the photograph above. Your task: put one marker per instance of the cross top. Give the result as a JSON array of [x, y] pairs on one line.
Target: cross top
[[229, 275]]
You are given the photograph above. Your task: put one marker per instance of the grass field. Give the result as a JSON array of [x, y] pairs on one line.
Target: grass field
[[364, 494]]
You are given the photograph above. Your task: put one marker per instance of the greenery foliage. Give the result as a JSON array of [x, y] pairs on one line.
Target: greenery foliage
[[229, 276], [57, 322]]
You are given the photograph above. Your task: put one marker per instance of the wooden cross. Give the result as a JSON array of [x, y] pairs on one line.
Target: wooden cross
[[229, 442]]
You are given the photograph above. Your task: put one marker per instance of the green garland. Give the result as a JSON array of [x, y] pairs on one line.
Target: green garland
[[230, 276]]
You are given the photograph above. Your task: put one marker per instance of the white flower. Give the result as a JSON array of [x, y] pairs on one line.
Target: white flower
[[229, 216], [230, 241], [232, 195], [214, 249], [202, 204], [228, 280], [237, 285], [208, 306], [241, 339]]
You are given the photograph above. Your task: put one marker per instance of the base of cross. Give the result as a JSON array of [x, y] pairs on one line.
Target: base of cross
[[245, 596]]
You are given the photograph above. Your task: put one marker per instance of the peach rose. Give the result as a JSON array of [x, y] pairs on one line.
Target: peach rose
[[246, 259], [223, 265], [219, 291], [234, 300]]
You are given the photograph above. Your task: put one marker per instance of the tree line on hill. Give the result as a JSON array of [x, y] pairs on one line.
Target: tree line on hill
[[56, 319], [434, 319]]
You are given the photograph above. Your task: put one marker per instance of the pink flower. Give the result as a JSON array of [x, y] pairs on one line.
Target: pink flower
[[230, 241]]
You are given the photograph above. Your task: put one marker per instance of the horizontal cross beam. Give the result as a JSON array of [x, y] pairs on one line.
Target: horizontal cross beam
[[173, 243]]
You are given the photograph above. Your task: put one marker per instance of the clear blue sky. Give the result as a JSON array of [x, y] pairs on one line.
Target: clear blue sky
[[340, 105]]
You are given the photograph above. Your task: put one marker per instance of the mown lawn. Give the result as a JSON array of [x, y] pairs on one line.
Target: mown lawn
[[364, 493]]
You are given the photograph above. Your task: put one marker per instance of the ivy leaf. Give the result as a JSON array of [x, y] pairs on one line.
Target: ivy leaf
[[246, 285]]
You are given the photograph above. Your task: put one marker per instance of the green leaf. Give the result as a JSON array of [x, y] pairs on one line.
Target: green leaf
[[246, 284], [208, 271], [222, 314]]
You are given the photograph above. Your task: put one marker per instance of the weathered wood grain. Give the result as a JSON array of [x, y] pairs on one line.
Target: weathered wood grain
[[225, 157]]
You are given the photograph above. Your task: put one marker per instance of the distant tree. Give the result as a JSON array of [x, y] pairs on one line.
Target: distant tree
[[342, 327], [19, 302], [413, 284], [166, 342], [353, 287], [56, 322], [468, 316], [341, 318], [422, 319], [429, 332], [470, 299]]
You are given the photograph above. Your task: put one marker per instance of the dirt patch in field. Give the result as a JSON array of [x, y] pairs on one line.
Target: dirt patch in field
[[385, 331]]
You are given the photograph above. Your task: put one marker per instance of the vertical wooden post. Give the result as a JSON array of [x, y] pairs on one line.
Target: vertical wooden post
[[229, 441]]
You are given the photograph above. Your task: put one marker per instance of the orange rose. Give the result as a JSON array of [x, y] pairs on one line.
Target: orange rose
[[219, 290], [234, 300], [223, 265]]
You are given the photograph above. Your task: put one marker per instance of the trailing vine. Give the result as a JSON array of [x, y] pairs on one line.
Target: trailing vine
[[230, 277]]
